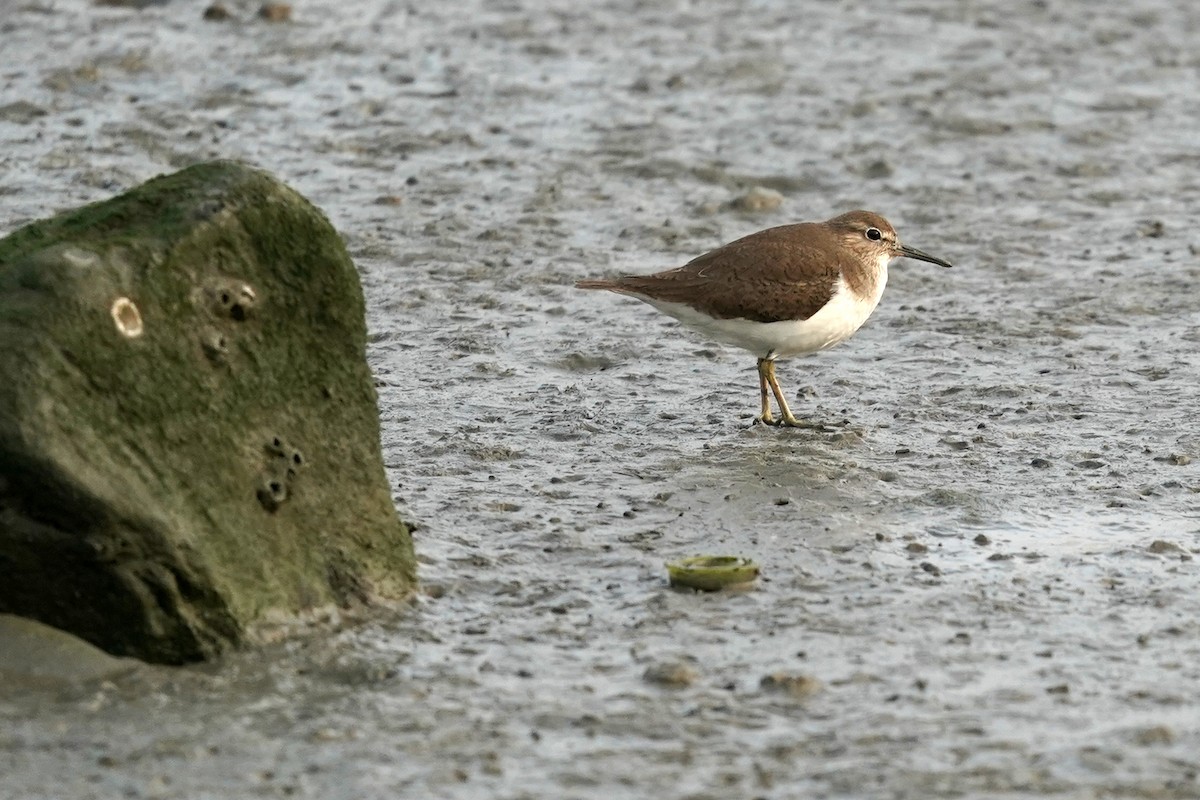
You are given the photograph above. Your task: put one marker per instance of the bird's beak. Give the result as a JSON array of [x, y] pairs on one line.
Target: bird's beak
[[920, 255]]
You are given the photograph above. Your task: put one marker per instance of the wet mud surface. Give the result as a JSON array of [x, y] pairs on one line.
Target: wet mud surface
[[980, 583]]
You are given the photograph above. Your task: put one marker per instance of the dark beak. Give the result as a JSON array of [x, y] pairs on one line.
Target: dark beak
[[919, 255]]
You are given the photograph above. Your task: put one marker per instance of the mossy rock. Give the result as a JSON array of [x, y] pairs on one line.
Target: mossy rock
[[189, 436]]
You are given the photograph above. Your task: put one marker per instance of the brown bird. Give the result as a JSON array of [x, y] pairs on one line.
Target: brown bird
[[781, 292]]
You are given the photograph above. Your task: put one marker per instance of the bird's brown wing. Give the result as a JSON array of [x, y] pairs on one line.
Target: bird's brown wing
[[767, 276]]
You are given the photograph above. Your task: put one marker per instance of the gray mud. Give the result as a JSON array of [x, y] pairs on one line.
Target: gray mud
[[981, 583]]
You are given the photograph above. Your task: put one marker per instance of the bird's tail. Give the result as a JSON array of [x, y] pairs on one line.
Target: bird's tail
[[595, 284]]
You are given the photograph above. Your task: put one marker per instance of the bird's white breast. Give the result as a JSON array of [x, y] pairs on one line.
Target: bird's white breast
[[835, 322]]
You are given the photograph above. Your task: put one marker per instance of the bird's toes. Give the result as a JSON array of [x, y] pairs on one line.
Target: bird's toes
[[792, 422]]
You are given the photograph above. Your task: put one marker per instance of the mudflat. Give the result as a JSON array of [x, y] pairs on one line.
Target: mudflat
[[980, 584]]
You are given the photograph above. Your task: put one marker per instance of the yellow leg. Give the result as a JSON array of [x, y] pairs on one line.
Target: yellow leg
[[767, 380], [788, 418], [766, 417]]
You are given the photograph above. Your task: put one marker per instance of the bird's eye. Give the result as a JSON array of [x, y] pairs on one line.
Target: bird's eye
[[874, 234]]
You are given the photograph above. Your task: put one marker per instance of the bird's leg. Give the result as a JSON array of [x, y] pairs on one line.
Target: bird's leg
[[788, 418], [766, 418]]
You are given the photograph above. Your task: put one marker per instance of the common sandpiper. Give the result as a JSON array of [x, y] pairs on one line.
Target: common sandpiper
[[781, 292]]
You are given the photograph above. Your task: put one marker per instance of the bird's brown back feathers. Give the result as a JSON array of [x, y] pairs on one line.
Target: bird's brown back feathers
[[784, 273]]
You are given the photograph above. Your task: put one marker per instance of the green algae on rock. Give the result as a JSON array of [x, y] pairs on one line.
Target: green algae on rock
[[189, 436]]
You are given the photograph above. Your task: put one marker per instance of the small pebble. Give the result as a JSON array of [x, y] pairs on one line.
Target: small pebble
[[795, 685], [878, 169], [1152, 229], [757, 200], [674, 674], [275, 12], [1158, 734]]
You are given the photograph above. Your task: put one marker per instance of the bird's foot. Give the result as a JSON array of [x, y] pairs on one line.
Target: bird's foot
[[791, 422]]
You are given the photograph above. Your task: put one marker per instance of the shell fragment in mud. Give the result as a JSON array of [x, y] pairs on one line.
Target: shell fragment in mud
[[711, 573]]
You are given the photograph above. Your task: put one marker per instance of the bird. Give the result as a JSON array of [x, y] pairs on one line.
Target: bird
[[781, 292]]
